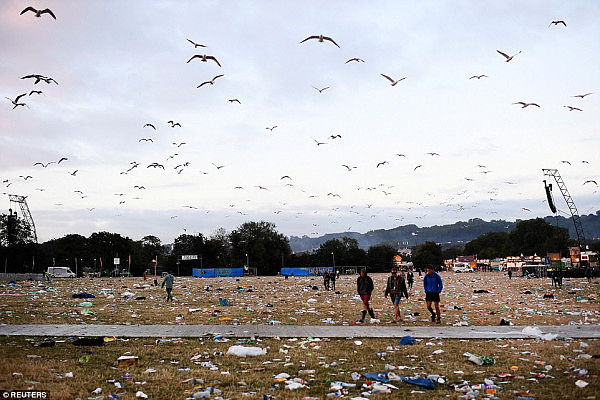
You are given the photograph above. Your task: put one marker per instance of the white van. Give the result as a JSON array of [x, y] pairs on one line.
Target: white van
[[462, 267], [60, 272]]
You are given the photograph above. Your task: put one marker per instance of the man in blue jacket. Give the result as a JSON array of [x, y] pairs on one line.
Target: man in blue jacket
[[432, 283]]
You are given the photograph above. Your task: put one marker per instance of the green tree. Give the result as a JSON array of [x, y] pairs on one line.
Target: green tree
[[381, 257], [263, 245], [452, 252], [428, 253], [490, 245], [189, 245], [535, 236], [14, 231], [105, 246]]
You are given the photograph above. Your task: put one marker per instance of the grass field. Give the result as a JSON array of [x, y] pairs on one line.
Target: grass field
[[297, 301], [178, 368]]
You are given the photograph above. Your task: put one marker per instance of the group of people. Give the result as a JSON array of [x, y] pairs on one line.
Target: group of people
[[397, 287], [329, 280]]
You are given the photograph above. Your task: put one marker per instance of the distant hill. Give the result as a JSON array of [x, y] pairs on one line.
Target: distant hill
[[448, 235]]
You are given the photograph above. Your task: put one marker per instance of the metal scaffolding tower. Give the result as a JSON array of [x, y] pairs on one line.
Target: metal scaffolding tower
[[570, 203], [26, 214]]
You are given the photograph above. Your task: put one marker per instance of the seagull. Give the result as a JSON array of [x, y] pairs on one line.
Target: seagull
[[479, 76], [44, 165], [401, 155], [381, 163], [394, 82], [218, 166], [585, 162], [150, 125], [320, 38], [335, 136], [179, 144], [556, 23], [156, 165], [571, 108], [74, 172], [565, 162], [173, 123], [523, 104], [138, 187], [35, 91], [508, 58], [39, 78], [25, 177], [38, 13], [146, 140], [432, 154], [271, 127], [285, 176], [15, 102], [261, 187], [234, 101], [318, 143], [582, 95], [355, 59], [321, 90], [418, 166], [204, 58], [348, 167], [591, 181], [194, 43], [525, 209], [211, 82]]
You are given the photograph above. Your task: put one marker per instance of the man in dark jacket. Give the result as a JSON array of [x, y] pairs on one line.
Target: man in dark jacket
[[396, 288], [432, 283], [364, 288], [168, 284]]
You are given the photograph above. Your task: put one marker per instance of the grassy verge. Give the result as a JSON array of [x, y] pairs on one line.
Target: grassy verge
[[178, 368]]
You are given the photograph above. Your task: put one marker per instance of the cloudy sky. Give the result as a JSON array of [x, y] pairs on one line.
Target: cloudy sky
[[122, 65]]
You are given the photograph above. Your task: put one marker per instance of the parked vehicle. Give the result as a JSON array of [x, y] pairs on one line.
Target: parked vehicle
[[462, 267], [60, 272]]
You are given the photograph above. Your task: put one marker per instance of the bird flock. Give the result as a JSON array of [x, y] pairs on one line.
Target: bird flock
[[177, 160]]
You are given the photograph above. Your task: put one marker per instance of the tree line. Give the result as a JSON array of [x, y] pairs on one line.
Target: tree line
[[256, 245]]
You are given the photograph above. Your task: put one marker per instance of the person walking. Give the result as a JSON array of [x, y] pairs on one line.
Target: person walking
[[509, 273], [326, 280], [396, 288], [332, 280], [364, 288], [432, 283], [410, 278], [167, 283]]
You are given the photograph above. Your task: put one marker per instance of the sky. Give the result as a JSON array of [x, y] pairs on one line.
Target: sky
[[349, 158]]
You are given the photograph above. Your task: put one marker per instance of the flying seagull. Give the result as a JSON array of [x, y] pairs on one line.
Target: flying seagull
[[565, 162], [571, 108], [479, 76], [15, 102], [432, 154], [320, 38], [508, 58], [355, 59], [35, 91], [173, 123], [582, 95], [150, 125], [211, 82], [205, 58], [394, 82], [556, 23], [418, 166], [591, 181], [44, 165], [348, 167], [62, 159], [234, 101], [524, 105], [156, 165], [381, 163], [194, 43], [321, 90], [218, 166], [146, 140], [271, 127], [38, 13], [39, 78]]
